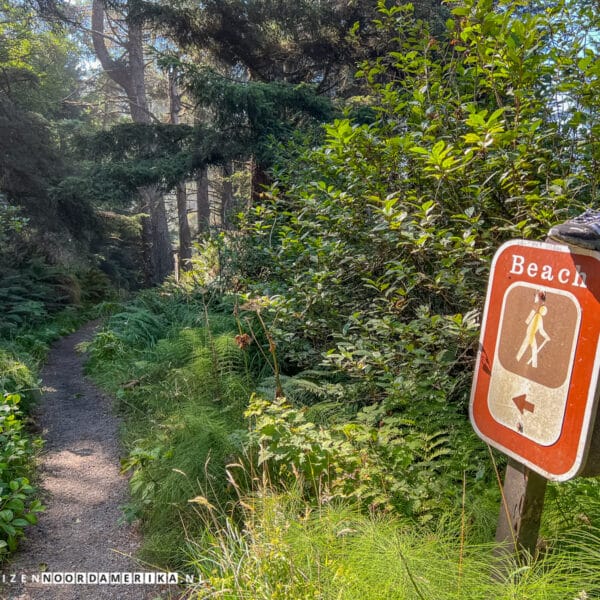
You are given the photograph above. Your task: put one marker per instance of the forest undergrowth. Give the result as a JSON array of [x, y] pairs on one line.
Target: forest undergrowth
[[248, 496], [297, 422], [295, 408]]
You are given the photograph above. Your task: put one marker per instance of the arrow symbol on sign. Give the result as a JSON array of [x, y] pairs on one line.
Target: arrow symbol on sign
[[522, 404]]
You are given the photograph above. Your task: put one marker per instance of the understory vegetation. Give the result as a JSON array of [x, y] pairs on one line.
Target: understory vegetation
[[295, 397], [182, 384], [296, 407], [263, 497], [285, 550]]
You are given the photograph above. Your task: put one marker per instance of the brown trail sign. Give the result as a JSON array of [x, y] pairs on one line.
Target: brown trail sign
[[534, 394]]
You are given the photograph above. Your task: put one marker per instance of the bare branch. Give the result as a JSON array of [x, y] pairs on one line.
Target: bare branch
[[116, 70]]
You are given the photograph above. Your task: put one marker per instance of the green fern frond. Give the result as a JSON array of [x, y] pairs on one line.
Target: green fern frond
[[297, 391], [228, 356], [329, 412]]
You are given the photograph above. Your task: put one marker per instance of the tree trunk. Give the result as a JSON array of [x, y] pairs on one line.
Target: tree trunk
[[260, 181], [203, 202], [185, 236], [155, 232], [129, 75], [227, 196], [138, 104]]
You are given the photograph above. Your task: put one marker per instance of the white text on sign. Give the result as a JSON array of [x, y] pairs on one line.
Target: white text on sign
[[574, 277]]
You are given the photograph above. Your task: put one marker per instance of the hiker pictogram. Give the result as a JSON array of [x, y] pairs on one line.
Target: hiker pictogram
[[537, 332], [535, 328], [534, 353]]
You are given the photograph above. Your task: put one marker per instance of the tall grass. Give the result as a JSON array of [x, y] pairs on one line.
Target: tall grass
[[182, 386], [285, 551]]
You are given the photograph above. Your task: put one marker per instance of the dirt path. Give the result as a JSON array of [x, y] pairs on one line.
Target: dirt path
[[82, 490]]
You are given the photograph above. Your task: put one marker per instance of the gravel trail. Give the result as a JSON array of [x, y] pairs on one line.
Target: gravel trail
[[82, 490]]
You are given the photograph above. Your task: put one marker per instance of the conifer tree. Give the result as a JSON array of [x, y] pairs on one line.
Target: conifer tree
[[128, 71]]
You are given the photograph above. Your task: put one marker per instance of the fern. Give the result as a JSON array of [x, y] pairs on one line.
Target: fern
[[297, 390], [179, 347], [433, 447], [305, 388], [137, 326], [228, 356], [330, 412]]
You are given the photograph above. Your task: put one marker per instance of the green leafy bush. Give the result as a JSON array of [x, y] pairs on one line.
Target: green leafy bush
[[15, 376], [390, 226], [369, 254], [393, 465], [18, 508]]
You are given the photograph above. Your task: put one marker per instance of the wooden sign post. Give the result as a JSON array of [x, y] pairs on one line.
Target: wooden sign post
[[521, 510], [535, 389]]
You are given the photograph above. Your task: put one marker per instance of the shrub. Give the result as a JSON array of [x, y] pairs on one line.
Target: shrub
[[15, 376], [368, 255], [392, 466], [370, 244], [18, 508]]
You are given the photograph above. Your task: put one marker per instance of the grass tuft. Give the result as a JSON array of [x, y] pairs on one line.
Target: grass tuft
[[336, 553]]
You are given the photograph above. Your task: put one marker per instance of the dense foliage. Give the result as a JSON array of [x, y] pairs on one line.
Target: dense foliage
[[181, 383], [299, 398], [287, 522], [368, 255], [38, 67], [18, 506]]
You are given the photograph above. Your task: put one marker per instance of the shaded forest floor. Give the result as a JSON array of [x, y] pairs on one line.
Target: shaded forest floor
[[82, 488]]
